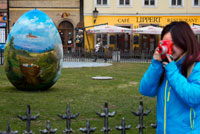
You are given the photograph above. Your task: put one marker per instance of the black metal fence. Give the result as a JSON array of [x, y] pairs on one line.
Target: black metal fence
[[105, 115], [110, 56]]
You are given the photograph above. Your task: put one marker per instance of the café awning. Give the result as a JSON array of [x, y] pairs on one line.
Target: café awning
[[196, 29], [109, 29], [148, 30]]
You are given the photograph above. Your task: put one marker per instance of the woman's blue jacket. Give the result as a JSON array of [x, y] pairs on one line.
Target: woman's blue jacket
[[178, 98]]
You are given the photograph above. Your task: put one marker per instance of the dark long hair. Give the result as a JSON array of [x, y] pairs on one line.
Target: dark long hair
[[184, 38]]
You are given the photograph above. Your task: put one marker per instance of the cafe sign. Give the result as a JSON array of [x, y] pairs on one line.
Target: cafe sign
[[157, 19], [167, 19]]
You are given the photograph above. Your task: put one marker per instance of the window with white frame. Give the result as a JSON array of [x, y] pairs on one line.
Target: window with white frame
[[177, 2], [149, 3], [196, 2], [102, 2], [122, 3]]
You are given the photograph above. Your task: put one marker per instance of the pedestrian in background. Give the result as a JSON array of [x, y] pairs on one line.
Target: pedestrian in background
[[99, 49]]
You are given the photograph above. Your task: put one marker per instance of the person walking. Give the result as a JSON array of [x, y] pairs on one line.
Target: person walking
[[176, 83], [99, 49]]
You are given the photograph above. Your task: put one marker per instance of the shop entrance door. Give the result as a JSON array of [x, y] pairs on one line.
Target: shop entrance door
[[148, 43], [66, 31], [123, 42]]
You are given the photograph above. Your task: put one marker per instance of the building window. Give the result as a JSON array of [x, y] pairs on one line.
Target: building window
[[149, 3], [102, 3], [124, 3], [196, 3], [177, 3]]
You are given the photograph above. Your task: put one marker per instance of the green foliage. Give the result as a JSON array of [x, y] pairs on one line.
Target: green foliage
[[12, 42], [86, 97], [15, 58], [48, 64], [23, 52]]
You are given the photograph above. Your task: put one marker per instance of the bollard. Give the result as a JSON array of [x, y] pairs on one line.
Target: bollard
[[123, 127], [106, 115], [28, 118], [87, 130], [48, 129], [68, 118], [8, 130], [141, 113]]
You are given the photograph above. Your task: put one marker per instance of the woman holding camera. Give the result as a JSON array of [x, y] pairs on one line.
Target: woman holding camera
[[176, 83]]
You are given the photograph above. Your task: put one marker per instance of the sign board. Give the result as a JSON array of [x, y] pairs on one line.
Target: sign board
[[2, 24], [2, 35]]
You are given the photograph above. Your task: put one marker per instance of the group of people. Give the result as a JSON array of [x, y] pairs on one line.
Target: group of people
[[176, 82]]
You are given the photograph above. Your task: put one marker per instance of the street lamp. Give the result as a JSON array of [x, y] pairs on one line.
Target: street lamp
[[95, 14]]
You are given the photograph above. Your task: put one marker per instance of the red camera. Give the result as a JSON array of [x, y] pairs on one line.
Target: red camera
[[164, 48]]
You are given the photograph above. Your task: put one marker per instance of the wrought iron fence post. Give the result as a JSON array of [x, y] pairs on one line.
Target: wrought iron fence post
[[87, 130], [141, 114], [28, 119], [8, 130], [123, 127], [68, 118], [48, 129], [106, 115]]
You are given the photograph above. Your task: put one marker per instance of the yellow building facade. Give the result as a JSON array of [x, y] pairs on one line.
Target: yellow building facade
[[134, 15]]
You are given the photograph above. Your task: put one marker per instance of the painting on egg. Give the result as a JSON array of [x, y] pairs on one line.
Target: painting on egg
[[33, 53]]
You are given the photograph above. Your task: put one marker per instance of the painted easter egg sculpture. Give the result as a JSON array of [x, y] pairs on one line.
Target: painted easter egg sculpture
[[33, 53]]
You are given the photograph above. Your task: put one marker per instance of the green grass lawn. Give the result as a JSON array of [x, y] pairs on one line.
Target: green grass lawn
[[86, 97]]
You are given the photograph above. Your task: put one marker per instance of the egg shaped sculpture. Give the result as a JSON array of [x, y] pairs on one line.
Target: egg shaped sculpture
[[33, 53]]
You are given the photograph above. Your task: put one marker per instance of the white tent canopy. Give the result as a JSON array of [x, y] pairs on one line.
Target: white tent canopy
[[148, 30], [196, 29], [142, 30], [158, 30], [109, 29]]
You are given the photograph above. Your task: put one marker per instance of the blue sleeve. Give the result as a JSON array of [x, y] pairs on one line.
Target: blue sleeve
[[187, 89], [150, 81]]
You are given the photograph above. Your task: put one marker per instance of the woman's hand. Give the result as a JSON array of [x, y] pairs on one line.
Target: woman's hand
[[169, 59], [156, 55]]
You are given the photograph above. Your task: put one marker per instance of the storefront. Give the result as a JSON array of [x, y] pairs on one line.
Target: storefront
[[134, 42]]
